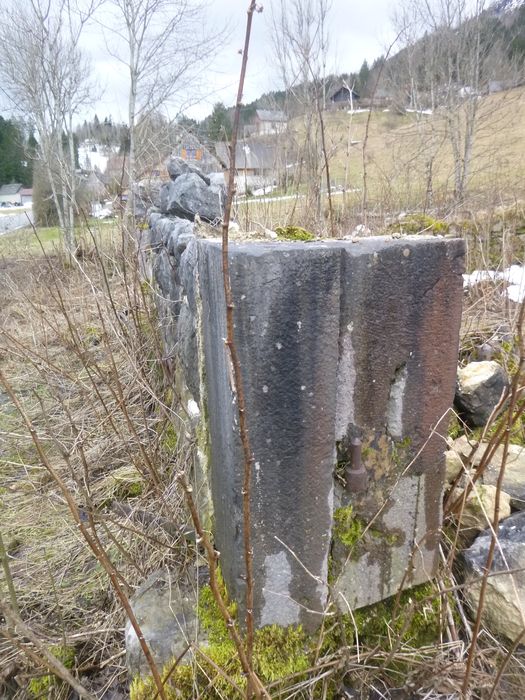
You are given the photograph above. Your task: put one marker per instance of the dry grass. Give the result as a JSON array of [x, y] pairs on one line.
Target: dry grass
[[397, 152], [78, 346]]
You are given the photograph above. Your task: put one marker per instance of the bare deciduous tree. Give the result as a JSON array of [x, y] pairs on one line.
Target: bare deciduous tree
[[452, 49], [45, 76], [164, 44], [301, 45]]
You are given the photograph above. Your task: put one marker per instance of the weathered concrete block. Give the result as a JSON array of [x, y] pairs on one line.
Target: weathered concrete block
[[399, 330], [337, 341]]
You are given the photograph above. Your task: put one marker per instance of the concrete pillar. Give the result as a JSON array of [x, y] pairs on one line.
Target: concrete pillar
[[348, 353]]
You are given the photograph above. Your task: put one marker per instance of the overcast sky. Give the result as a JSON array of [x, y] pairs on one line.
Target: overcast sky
[[358, 30]]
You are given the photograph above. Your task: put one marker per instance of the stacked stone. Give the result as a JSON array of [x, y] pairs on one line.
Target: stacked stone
[[172, 243]]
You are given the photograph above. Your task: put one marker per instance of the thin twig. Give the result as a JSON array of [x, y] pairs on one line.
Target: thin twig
[[230, 343], [212, 557]]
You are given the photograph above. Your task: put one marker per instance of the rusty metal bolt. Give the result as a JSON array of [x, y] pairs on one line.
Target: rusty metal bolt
[[355, 473]]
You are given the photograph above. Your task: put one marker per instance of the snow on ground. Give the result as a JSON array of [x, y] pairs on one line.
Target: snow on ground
[[514, 276], [89, 159]]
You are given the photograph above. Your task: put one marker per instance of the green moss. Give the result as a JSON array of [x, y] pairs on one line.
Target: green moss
[[42, 686], [170, 438], [294, 233], [278, 652], [415, 621], [351, 530], [419, 223], [348, 529]]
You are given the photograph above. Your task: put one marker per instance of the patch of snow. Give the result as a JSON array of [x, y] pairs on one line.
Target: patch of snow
[[418, 111], [514, 276]]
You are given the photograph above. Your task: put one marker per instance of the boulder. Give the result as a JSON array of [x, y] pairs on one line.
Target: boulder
[[479, 388], [165, 609], [514, 477], [189, 195], [478, 511], [504, 608], [178, 166], [453, 465]]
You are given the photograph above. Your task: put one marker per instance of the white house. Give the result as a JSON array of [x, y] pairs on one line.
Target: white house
[[269, 121], [11, 194]]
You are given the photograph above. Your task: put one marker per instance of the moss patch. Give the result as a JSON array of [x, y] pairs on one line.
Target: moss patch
[[420, 223], [42, 686], [294, 233], [415, 620], [278, 652], [348, 528]]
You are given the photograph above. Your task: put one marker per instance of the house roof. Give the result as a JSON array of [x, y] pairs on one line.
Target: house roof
[[341, 93], [13, 188], [249, 155], [269, 115]]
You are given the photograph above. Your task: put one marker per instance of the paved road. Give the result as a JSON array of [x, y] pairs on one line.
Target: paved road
[[18, 219]]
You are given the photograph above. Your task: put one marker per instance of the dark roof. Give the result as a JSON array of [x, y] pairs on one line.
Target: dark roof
[[342, 94], [249, 155], [13, 188], [268, 115]]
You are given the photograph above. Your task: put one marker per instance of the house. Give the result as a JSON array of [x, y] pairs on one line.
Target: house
[[257, 162], [195, 152], [343, 97], [268, 122], [26, 195], [11, 194]]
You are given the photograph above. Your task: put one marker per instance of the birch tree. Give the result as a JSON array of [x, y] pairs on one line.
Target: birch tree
[[46, 77], [164, 45]]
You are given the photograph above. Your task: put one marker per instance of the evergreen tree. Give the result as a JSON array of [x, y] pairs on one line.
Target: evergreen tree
[[15, 165], [219, 127]]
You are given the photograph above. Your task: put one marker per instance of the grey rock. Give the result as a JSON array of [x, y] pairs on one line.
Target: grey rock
[[178, 166], [187, 350], [479, 388], [182, 242], [166, 276], [189, 195], [188, 274], [453, 465], [160, 231], [183, 228], [503, 611], [514, 476], [479, 506], [153, 217], [165, 610], [163, 196]]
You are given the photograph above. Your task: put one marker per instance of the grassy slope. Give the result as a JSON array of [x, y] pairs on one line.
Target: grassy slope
[[399, 147]]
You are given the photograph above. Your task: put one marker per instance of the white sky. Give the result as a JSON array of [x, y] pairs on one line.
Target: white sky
[[357, 29]]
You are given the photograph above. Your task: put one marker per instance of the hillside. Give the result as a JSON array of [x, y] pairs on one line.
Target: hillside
[[401, 146]]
